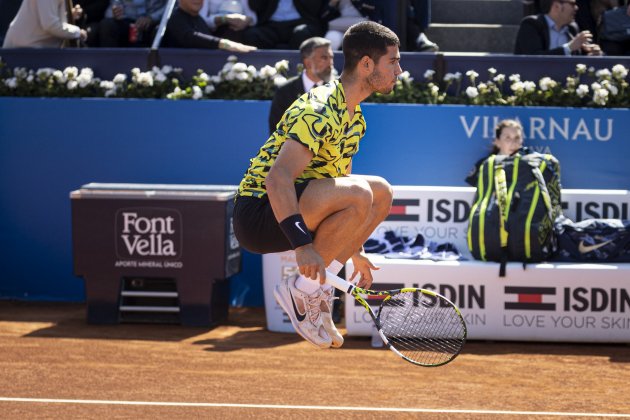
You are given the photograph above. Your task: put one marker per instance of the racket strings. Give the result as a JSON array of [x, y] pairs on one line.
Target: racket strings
[[424, 329]]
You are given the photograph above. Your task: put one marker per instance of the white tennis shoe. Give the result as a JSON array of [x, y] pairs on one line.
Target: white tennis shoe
[[304, 311], [328, 300]]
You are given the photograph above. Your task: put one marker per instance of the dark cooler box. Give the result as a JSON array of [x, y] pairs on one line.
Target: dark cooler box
[[155, 253]]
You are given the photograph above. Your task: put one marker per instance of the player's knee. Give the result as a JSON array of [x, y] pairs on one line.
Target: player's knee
[[361, 198], [383, 195]]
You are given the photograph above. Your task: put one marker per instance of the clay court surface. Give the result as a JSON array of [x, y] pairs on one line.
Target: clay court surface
[[55, 366]]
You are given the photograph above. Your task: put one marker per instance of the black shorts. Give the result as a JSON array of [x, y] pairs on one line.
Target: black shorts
[[256, 227]]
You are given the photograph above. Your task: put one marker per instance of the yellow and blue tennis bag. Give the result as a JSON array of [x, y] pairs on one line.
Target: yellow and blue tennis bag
[[515, 206]]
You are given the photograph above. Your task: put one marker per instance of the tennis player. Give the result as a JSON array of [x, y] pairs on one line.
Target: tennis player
[[299, 193]]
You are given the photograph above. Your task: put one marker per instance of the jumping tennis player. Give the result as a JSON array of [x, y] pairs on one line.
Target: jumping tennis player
[[298, 192]]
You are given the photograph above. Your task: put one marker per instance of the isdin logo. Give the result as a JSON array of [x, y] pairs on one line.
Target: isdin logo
[[147, 232]]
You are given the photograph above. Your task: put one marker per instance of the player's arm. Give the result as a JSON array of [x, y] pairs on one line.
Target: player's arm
[[280, 182]]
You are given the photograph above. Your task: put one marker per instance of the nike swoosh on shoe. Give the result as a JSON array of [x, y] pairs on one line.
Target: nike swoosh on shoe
[[300, 317]]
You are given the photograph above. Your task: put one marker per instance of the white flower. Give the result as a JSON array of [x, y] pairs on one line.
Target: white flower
[[282, 66], [204, 77], [20, 72], [209, 89], [145, 79], [595, 86], [29, 78], [428, 74], [517, 86], [581, 91], [603, 74], [529, 86], [472, 92], [11, 83], [279, 81], [580, 68], [106, 84], [244, 76], [472, 73], [546, 83], [110, 92], [59, 76], [435, 90], [600, 97], [160, 77], [239, 67], [268, 72], [175, 94], [492, 71], [215, 79], [232, 59], [515, 77], [252, 71], [135, 71], [482, 87], [84, 78], [45, 72], [71, 72], [72, 84], [499, 78], [452, 76], [197, 93], [120, 78], [610, 87], [619, 71], [405, 76], [167, 69]]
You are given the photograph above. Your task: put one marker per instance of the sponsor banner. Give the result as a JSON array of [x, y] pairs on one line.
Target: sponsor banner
[[440, 214], [275, 267], [545, 302]]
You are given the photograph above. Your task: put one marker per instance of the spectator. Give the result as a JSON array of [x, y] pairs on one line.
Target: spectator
[[130, 23], [554, 32], [608, 46], [285, 23], [187, 29], [42, 24], [9, 10], [418, 20], [228, 18], [93, 13], [317, 57], [341, 14]]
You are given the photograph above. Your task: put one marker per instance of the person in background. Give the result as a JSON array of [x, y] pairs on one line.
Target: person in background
[[554, 32], [43, 24], [130, 23], [508, 139], [285, 23], [228, 18], [299, 192], [418, 20], [611, 47], [317, 58], [93, 13], [187, 29], [341, 14]]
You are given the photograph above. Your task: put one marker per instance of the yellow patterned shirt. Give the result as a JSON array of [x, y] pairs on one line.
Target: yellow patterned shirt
[[319, 120]]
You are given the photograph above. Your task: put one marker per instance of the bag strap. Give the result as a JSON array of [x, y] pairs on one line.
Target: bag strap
[[500, 186]]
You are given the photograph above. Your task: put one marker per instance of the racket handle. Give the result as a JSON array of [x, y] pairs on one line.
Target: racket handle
[[338, 282]]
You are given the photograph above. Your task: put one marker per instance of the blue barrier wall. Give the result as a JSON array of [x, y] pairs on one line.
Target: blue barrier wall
[[49, 147]]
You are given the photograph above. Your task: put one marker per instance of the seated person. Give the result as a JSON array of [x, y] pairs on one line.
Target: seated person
[[341, 14], [228, 18], [611, 47], [508, 139], [554, 32], [93, 13], [42, 24], [317, 59], [186, 29], [130, 23], [285, 23]]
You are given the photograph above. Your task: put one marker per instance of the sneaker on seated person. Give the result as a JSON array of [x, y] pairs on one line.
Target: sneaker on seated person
[[424, 44], [304, 311]]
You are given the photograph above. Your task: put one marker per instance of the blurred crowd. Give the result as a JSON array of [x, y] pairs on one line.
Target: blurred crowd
[[236, 25], [566, 27]]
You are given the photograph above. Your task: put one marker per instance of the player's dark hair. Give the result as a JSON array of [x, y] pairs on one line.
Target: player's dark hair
[[498, 129], [366, 38]]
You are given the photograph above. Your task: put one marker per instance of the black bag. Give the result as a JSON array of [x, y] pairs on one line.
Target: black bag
[[594, 240], [615, 25], [516, 203]]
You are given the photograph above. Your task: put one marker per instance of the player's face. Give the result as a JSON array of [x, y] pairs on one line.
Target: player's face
[[386, 70], [320, 63], [510, 140]]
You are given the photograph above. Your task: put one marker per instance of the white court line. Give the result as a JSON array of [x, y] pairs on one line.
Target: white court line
[[312, 407]]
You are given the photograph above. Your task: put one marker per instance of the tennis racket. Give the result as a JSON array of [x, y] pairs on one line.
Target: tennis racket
[[421, 326]]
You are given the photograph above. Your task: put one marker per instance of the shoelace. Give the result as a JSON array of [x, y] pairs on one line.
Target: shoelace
[[313, 307]]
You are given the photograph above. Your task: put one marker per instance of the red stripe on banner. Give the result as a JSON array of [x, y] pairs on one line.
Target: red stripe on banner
[[398, 210], [530, 298]]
